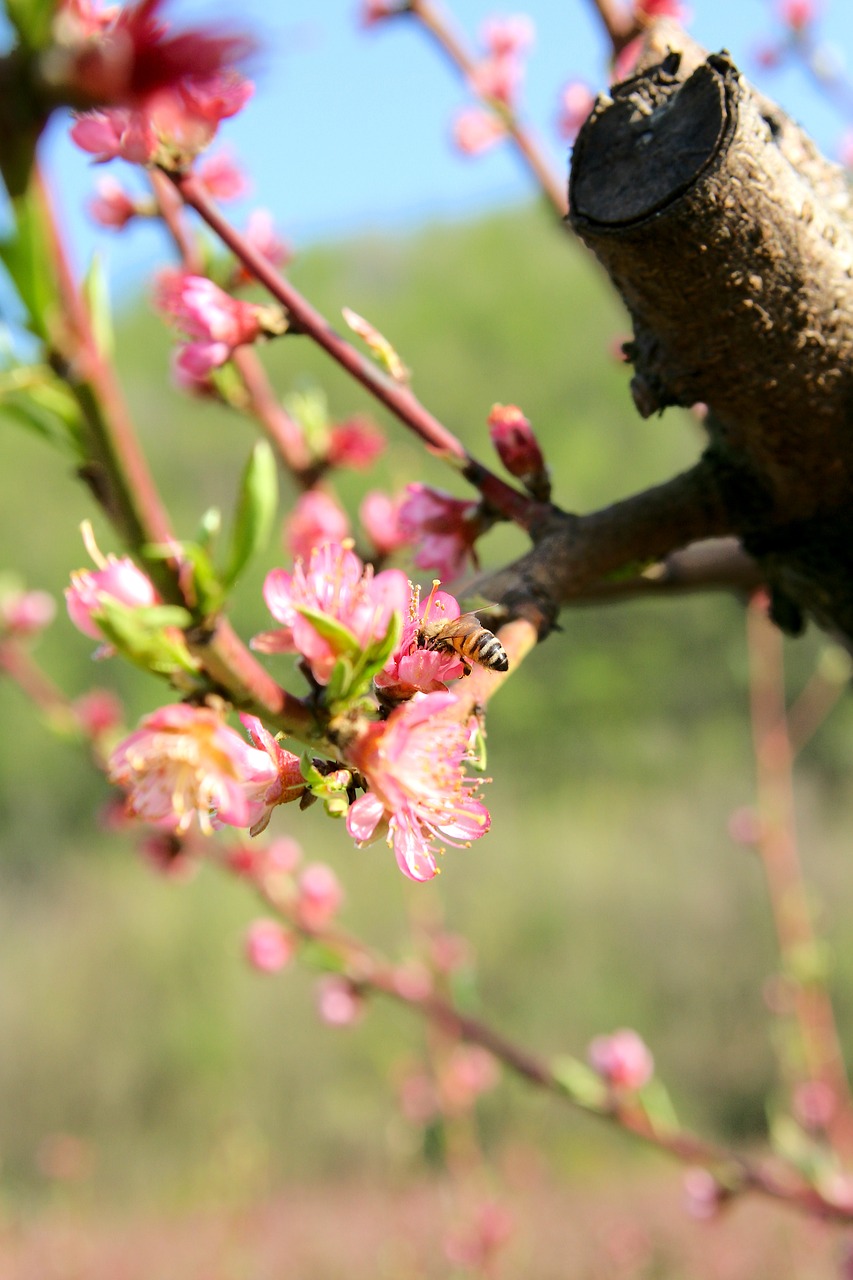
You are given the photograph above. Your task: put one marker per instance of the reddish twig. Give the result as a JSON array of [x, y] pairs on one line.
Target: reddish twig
[[798, 946], [620, 24], [553, 187], [503, 498]]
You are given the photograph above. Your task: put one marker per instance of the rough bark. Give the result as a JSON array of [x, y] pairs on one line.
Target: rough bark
[[730, 240]]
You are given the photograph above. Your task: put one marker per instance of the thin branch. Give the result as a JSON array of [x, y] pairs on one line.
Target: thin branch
[[552, 185], [798, 946], [620, 24], [505, 500]]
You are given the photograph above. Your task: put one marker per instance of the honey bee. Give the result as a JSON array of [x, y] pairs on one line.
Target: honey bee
[[468, 639]]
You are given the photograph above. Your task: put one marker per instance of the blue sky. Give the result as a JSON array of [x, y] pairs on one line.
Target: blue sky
[[349, 129]]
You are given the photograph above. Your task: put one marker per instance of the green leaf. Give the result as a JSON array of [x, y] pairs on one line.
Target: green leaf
[[28, 255], [39, 401], [256, 508], [339, 688], [97, 295], [658, 1105]]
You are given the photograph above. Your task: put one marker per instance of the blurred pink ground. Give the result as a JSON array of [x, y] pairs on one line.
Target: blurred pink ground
[[638, 1231]]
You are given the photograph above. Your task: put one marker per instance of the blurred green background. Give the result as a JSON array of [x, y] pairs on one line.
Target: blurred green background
[[608, 892]]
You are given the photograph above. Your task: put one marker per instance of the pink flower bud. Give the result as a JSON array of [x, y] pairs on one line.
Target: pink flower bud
[[98, 712], [112, 206], [745, 826], [622, 1059], [117, 579], [476, 1245], [650, 9], [412, 981], [380, 515], [373, 11], [797, 14], [357, 443], [469, 1072], [475, 130], [813, 1105], [498, 80], [221, 176], [315, 520], [269, 947], [319, 896], [576, 102], [517, 446], [283, 856], [703, 1194], [508, 37], [339, 1003], [26, 613]]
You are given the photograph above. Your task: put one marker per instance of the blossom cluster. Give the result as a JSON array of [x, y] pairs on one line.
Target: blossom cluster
[[185, 767]]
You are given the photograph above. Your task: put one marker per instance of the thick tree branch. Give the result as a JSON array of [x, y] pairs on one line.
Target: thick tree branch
[[730, 240]]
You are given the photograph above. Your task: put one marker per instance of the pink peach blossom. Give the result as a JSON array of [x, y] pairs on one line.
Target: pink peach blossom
[[445, 529], [216, 322], [184, 763], [414, 766], [334, 583], [266, 794], [412, 667]]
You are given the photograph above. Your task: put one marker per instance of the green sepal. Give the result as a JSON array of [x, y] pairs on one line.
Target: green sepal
[[148, 635], [340, 683], [33, 20], [207, 589], [581, 1083], [357, 675], [330, 789], [257, 504], [322, 956], [97, 295]]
